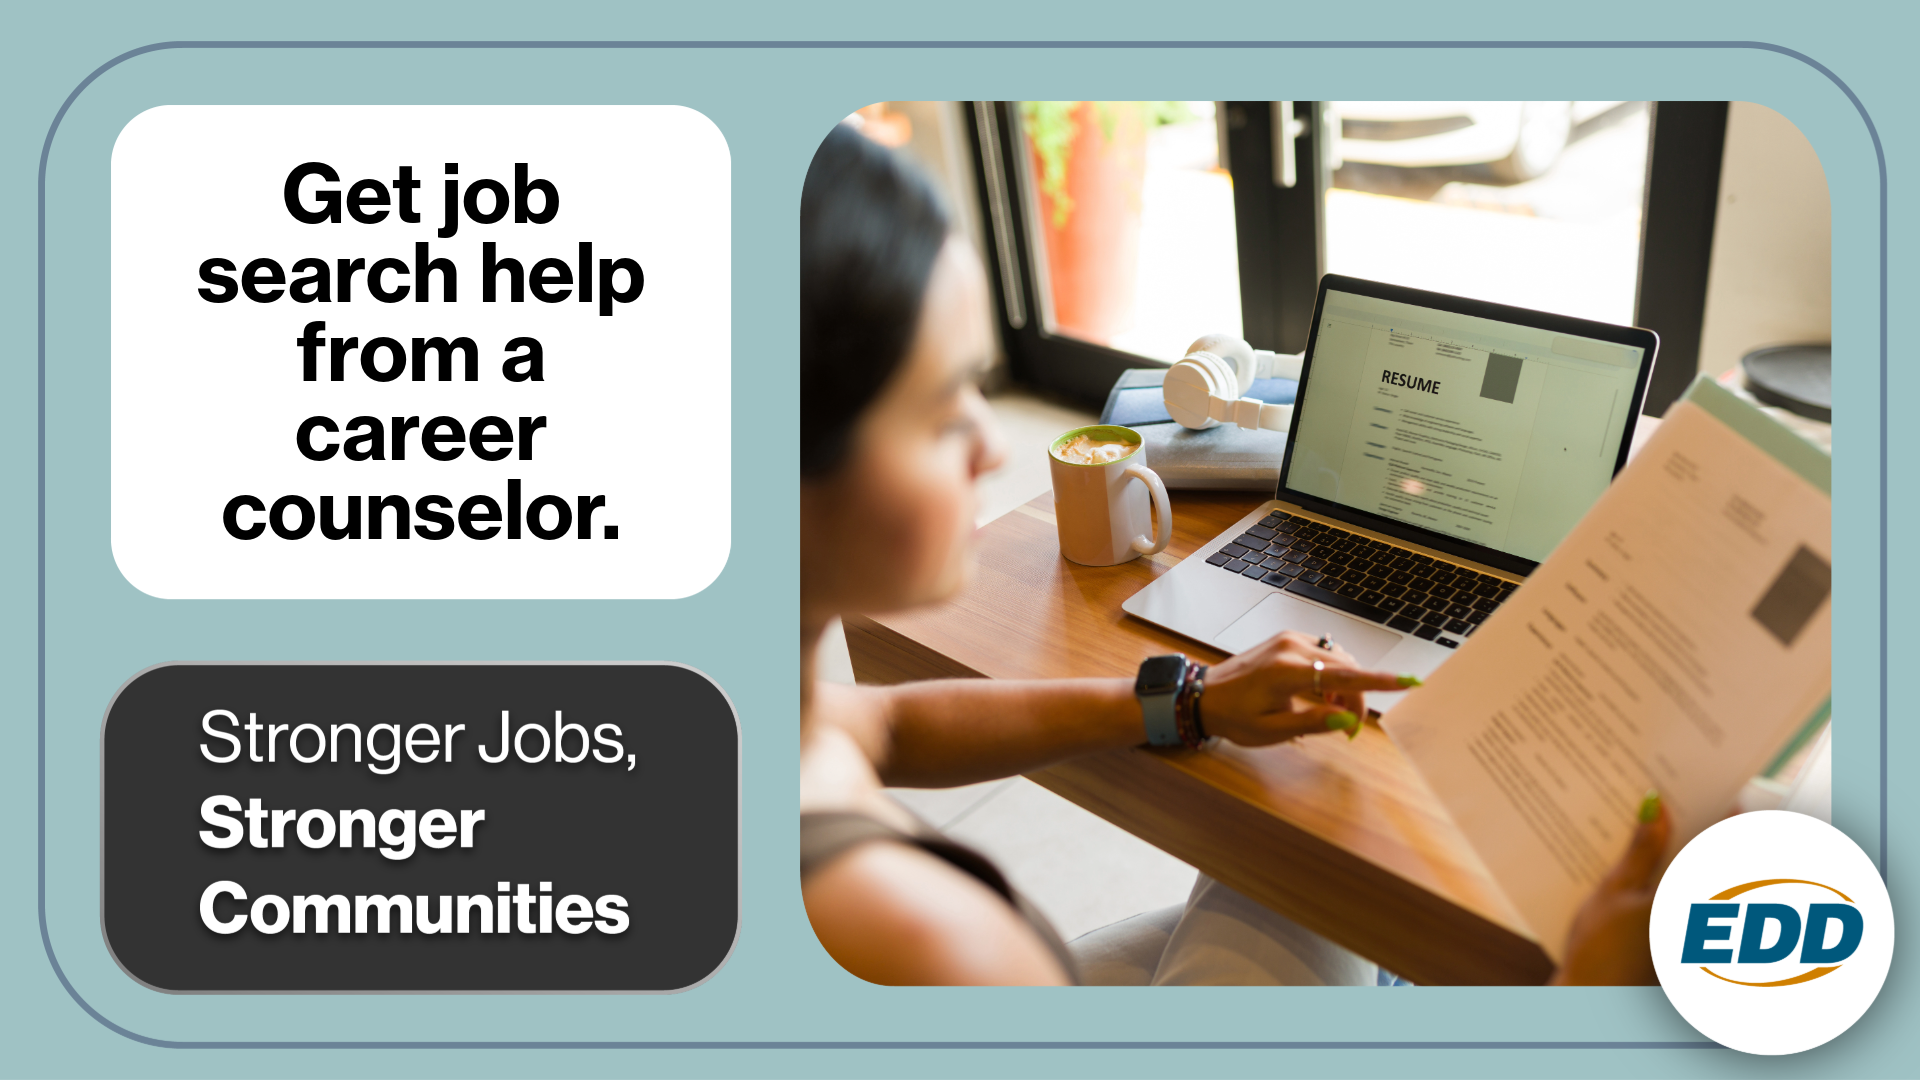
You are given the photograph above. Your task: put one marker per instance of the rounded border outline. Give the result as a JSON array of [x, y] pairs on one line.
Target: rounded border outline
[[41, 517]]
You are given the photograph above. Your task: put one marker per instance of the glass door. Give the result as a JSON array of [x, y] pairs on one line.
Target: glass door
[[1121, 231], [1135, 217], [1530, 203]]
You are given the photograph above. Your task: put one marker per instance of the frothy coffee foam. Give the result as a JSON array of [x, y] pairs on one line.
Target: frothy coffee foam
[[1084, 450]]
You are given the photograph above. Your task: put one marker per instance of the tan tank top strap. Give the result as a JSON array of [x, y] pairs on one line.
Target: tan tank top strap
[[827, 834]]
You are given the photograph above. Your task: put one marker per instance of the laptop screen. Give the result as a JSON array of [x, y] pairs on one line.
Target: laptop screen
[[1485, 432]]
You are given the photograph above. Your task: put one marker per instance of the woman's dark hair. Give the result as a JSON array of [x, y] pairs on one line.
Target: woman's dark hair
[[871, 227]]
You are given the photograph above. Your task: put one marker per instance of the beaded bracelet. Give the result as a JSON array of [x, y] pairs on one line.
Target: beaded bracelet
[[1199, 688], [1187, 706]]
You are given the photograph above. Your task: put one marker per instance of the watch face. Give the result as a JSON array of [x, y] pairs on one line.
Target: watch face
[[1160, 675]]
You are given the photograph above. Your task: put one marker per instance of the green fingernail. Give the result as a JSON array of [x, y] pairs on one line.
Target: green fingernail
[[1409, 680], [1343, 721], [1650, 806]]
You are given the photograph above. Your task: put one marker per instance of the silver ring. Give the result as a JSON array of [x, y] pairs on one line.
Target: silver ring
[[1318, 667]]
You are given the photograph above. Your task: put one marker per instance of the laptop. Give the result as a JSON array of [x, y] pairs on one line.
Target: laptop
[[1440, 448]]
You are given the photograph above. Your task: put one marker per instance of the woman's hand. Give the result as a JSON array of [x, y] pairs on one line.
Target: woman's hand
[[1607, 945], [1270, 692]]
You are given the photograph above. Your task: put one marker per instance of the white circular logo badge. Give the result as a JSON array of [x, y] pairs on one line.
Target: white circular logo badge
[[1771, 932]]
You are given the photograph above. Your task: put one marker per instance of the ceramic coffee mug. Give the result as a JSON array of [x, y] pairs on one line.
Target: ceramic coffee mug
[[1106, 512]]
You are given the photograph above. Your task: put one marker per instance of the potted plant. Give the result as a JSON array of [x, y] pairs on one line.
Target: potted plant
[[1089, 162]]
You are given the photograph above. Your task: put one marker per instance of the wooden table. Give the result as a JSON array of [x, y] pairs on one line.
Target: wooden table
[[1342, 837]]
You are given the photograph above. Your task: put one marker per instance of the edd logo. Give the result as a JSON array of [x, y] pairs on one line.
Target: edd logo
[[1716, 948], [1825, 933]]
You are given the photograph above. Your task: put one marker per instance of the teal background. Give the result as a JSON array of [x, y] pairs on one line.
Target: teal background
[[773, 105]]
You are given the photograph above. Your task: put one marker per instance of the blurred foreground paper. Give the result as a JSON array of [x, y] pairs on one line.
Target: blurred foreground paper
[[1675, 640]]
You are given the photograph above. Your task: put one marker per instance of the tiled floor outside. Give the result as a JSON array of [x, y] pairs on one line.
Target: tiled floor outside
[[1079, 870]]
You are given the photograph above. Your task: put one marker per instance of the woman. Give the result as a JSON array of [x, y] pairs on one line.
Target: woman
[[894, 432]]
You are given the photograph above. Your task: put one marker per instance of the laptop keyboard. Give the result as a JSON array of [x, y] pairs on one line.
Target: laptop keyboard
[[1413, 593]]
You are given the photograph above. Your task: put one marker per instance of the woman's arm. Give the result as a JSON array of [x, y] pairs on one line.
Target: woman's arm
[[959, 731]]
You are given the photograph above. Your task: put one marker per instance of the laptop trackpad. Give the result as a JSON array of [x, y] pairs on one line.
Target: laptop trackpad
[[1366, 641]]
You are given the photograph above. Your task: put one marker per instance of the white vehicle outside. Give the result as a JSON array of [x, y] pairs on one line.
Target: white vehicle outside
[[1519, 140]]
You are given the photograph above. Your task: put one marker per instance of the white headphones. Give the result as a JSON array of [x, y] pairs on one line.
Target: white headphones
[[1209, 384]]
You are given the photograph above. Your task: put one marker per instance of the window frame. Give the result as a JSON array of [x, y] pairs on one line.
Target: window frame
[[1280, 241], [1682, 195], [1079, 370]]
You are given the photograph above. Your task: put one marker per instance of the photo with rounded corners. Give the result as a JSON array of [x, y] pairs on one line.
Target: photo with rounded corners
[[1055, 362]]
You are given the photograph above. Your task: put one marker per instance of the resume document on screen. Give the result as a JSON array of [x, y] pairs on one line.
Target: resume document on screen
[[1456, 430]]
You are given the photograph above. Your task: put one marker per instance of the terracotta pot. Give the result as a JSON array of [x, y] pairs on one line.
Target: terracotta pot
[[1093, 254]]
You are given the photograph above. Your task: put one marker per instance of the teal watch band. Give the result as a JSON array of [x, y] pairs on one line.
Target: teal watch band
[[1163, 727], [1158, 689]]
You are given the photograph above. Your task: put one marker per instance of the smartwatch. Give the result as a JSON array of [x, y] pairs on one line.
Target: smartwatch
[[1158, 688]]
